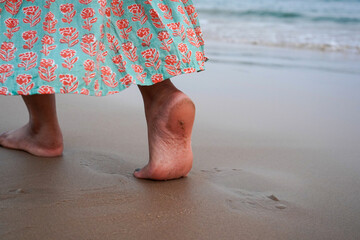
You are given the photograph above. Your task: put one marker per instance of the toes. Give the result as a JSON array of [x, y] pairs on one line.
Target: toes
[[139, 173]]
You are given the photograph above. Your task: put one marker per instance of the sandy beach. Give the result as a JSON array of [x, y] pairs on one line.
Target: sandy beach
[[276, 145]]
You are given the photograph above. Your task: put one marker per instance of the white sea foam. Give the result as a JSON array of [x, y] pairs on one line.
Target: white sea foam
[[316, 24]]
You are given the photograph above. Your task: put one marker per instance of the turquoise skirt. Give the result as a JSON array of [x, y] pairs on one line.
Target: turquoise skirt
[[96, 47]]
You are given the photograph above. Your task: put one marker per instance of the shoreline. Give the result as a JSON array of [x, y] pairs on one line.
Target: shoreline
[[260, 130]]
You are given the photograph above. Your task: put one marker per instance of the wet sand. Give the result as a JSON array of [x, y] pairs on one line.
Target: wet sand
[[276, 144]]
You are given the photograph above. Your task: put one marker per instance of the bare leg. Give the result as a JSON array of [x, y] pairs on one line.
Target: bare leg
[[170, 116], [41, 136]]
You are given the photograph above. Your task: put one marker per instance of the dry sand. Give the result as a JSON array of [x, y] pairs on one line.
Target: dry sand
[[276, 145]]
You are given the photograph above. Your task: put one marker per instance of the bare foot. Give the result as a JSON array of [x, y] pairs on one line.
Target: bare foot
[[170, 120], [43, 142]]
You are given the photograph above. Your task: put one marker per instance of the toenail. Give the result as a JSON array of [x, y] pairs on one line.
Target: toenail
[[138, 169]]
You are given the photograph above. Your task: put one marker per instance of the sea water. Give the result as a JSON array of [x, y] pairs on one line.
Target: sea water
[[326, 25]]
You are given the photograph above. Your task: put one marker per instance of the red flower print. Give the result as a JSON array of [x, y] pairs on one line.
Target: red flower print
[[89, 65], [111, 92], [85, 91], [28, 35], [86, 14], [138, 12], [66, 8], [32, 15], [118, 60], [152, 58], [23, 80], [108, 77], [142, 32], [190, 9], [127, 80], [130, 51], [5, 72], [28, 60], [29, 38], [48, 3], [97, 88], [67, 53], [171, 59], [46, 41], [7, 51], [3, 91], [139, 72], [181, 10], [178, 30], [47, 70], [157, 78], [122, 25], [201, 59], [49, 16], [5, 68], [12, 6], [108, 13], [69, 36], [68, 82], [102, 3], [113, 45], [68, 31], [193, 39], [137, 68], [149, 53], [189, 70], [66, 79], [156, 19], [117, 7], [136, 8], [11, 23], [96, 85], [7, 46], [89, 44], [50, 23], [172, 65], [192, 13], [199, 56], [199, 35], [100, 55], [163, 7], [30, 10], [88, 38], [46, 63], [182, 47], [166, 10], [163, 35], [105, 70], [46, 90]]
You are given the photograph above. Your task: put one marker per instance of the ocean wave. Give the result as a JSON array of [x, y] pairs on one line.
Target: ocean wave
[[277, 15], [291, 42]]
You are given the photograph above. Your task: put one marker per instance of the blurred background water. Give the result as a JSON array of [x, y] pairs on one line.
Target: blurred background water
[[326, 25]]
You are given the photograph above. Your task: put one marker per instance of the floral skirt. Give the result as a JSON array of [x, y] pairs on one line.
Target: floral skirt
[[96, 47]]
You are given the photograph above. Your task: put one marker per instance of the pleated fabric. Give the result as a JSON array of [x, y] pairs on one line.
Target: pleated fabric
[[96, 47]]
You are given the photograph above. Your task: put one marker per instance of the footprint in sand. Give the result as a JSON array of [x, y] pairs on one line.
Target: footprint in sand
[[104, 163], [245, 190]]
